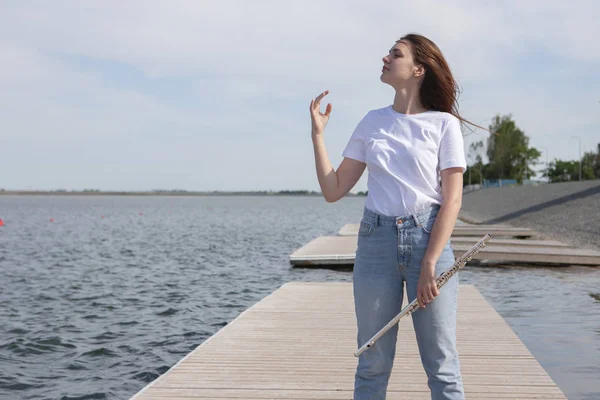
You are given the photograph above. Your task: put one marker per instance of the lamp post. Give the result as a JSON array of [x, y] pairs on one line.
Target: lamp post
[[579, 138], [546, 151]]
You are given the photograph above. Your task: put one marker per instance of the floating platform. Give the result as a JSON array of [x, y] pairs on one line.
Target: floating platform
[[509, 242], [299, 343], [465, 230], [341, 251]]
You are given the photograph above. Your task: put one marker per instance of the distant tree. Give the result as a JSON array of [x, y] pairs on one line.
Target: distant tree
[[563, 171], [509, 152], [590, 164], [596, 163], [528, 157], [474, 172]]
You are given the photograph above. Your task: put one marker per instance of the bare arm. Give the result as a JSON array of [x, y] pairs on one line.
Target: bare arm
[[452, 179], [334, 184]]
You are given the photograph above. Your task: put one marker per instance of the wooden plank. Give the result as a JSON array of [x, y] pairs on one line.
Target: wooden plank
[[327, 250], [511, 242], [298, 343], [231, 394], [341, 251], [496, 232], [546, 255], [463, 230]]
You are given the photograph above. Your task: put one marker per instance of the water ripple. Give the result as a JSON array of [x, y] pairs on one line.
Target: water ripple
[[96, 308]]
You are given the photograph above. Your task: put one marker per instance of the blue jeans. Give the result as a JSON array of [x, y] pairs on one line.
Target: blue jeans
[[389, 254]]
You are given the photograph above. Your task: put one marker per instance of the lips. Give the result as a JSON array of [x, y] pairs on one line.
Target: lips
[[385, 68]]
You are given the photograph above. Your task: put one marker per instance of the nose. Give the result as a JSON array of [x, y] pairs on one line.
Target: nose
[[385, 59]]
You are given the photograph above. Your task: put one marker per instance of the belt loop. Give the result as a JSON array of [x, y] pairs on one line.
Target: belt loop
[[417, 222], [377, 219]]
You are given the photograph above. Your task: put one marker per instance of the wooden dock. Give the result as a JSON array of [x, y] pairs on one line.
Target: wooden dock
[[341, 251], [508, 244], [299, 343], [465, 230]]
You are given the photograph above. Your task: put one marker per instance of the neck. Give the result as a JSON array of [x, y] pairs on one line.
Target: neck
[[407, 101]]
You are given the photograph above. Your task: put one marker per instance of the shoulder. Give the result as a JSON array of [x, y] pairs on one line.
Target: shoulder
[[447, 122], [442, 117], [383, 111], [377, 117], [450, 119], [371, 119], [376, 114]]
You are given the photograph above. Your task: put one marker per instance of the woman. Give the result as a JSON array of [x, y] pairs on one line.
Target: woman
[[404, 235]]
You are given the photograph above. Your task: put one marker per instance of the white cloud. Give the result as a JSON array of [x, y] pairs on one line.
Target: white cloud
[[251, 69]]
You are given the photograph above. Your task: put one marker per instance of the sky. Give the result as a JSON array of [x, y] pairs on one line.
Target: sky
[[214, 95]]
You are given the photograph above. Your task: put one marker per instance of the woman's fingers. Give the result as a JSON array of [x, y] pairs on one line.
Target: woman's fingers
[[317, 101], [319, 97], [421, 298], [431, 294], [315, 106], [426, 295]]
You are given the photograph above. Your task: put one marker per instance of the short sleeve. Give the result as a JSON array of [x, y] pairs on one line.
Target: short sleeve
[[356, 147], [452, 152]]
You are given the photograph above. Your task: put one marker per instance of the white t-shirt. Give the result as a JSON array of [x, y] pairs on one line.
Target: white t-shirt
[[404, 154]]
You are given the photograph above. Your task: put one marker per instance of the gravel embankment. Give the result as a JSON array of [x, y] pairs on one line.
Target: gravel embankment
[[568, 212]]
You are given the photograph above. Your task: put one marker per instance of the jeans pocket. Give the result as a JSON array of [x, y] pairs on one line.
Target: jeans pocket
[[365, 229], [427, 225]]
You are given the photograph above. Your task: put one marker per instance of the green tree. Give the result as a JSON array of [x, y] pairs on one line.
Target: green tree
[[528, 157], [596, 164], [474, 172], [509, 152], [590, 164], [563, 171]]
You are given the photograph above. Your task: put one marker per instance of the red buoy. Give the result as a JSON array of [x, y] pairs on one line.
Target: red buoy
[[1, 222]]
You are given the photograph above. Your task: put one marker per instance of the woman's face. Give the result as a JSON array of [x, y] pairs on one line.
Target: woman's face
[[399, 67]]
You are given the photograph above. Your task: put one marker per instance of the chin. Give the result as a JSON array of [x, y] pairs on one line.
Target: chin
[[382, 79]]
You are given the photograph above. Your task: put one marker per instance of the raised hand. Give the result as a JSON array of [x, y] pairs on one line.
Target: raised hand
[[319, 120]]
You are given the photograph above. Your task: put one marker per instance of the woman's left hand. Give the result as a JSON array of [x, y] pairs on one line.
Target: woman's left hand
[[427, 287]]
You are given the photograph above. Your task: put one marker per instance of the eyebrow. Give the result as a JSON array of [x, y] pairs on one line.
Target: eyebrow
[[395, 49]]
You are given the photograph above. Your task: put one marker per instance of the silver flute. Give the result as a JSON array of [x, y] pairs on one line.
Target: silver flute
[[441, 281]]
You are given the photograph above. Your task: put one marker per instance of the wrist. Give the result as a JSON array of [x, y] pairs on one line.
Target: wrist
[[426, 273], [428, 268], [427, 262]]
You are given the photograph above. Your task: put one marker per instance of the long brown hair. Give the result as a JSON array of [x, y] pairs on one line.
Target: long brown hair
[[439, 90]]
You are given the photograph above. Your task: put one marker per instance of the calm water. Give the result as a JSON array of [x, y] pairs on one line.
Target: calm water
[[95, 308]]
